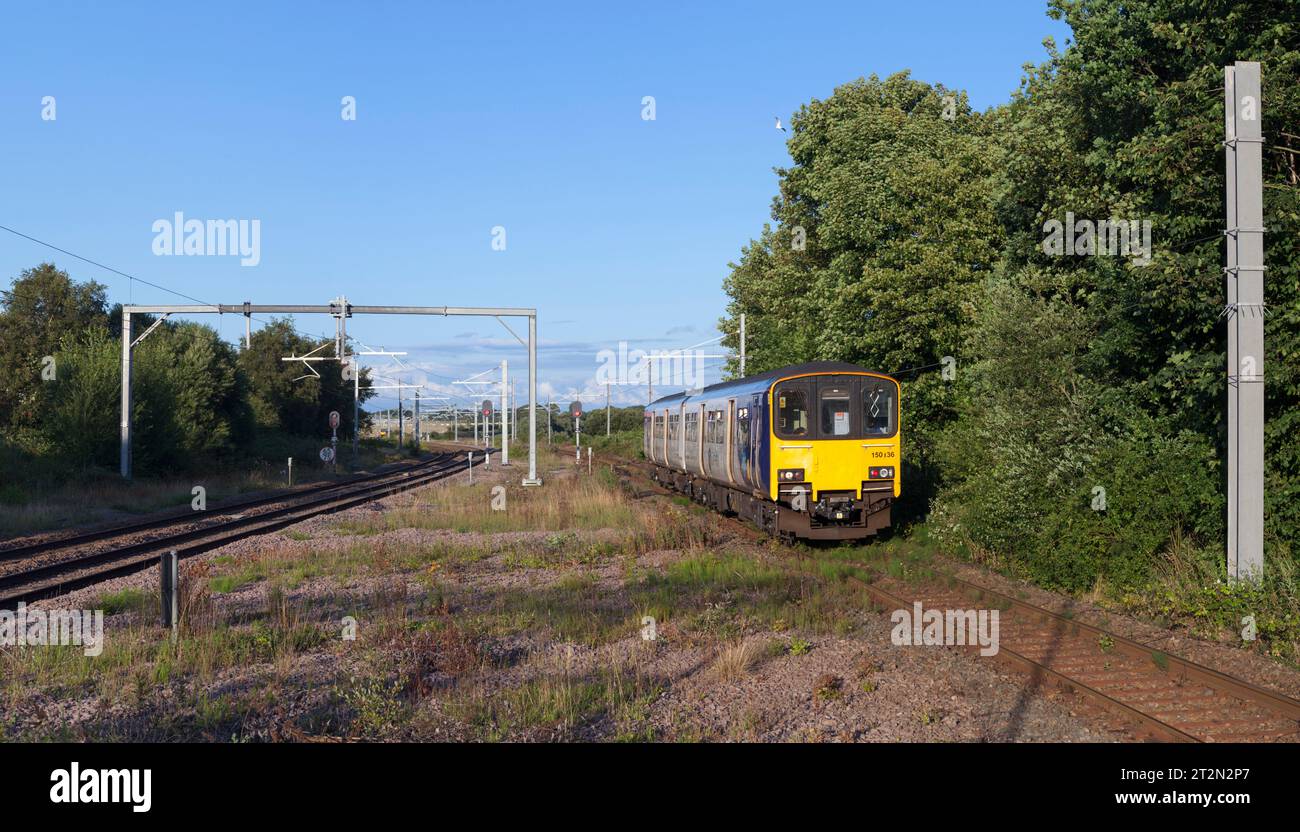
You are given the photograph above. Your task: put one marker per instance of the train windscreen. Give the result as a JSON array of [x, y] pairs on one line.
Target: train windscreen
[[879, 407], [835, 407], [792, 412]]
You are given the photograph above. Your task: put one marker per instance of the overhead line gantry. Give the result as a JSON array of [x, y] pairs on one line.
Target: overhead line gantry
[[341, 309]]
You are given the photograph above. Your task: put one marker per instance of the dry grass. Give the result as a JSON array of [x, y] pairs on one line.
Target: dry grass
[[582, 503], [736, 659], [71, 498], [561, 701], [140, 658], [102, 498], [260, 655]]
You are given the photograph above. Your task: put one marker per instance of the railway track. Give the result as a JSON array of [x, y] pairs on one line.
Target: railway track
[[1150, 693], [1160, 695], [40, 542], [48, 568]]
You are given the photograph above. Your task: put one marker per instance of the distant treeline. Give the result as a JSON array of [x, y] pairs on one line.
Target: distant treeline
[[1080, 427], [197, 399]]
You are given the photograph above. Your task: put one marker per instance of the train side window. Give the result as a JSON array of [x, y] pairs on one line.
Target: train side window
[[692, 427], [792, 412], [835, 406], [879, 407], [742, 431]]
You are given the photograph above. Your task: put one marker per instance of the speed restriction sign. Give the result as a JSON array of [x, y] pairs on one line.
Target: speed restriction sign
[[326, 454], [334, 419]]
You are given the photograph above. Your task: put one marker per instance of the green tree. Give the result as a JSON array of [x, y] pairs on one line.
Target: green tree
[[80, 410], [190, 402], [43, 306], [885, 236], [281, 398], [924, 237], [1126, 123]]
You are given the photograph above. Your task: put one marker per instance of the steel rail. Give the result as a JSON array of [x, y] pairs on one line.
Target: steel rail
[[1186, 667], [75, 539], [1038, 671], [50, 580]]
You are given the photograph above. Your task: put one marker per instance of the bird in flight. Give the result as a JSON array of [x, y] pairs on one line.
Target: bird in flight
[[778, 124]]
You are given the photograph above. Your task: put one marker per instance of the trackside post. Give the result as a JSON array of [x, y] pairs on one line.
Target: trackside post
[[169, 575]]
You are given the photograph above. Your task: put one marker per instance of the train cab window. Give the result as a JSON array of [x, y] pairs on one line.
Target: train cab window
[[742, 429], [835, 407], [878, 407], [791, 412]]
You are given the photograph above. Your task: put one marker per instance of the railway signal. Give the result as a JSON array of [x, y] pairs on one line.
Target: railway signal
[[575, 411], [334, 441], [485, 409]]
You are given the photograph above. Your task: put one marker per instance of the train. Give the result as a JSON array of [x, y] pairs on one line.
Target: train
[[807, 452]]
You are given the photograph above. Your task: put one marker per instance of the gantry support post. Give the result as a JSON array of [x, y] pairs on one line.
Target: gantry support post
[[505, 415], [532, 402], [1243, 119], [125, 451]]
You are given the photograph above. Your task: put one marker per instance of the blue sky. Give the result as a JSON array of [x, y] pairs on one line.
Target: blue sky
[[524, 116]]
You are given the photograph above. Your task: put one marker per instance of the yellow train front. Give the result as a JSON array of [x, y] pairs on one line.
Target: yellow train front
[[811, 451]]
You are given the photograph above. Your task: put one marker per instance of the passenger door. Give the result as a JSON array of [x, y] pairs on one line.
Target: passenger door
[[792, 422], [729, 428]]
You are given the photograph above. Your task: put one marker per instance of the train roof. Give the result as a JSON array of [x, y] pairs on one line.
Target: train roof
[[762, 381]]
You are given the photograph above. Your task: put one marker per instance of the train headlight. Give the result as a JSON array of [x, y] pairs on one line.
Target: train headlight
[[790, 475], [883, 472]]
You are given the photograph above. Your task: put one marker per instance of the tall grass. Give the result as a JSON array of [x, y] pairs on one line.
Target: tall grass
[[582, 503]]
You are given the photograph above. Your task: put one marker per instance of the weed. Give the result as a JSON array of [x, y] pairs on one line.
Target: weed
[[125, 600], [826, 687], [375, 704]]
